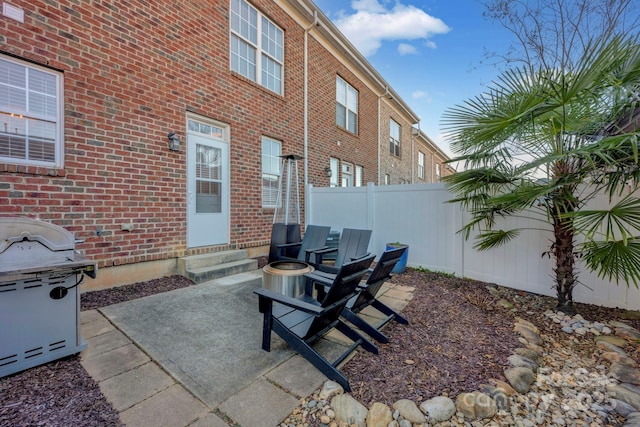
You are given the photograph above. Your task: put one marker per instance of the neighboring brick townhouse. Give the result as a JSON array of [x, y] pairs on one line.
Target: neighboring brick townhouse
[[152, 129]]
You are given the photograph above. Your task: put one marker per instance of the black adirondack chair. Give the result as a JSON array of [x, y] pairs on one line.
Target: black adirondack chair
[[354, 244], [303, 320], [315, 239], [366, 296], [282, 234]]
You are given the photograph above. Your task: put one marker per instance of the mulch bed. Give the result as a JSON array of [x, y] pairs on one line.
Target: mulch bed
[[459, 336]]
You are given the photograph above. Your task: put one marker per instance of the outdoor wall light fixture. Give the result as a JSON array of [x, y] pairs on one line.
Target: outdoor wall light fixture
[[174, 141], [327, 172]]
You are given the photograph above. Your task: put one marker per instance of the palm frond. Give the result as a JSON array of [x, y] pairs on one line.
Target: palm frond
[[614, 260], [493, 238], [620, 222]]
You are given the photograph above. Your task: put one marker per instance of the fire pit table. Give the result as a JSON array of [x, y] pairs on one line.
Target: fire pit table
[[286, 277], [40, 272]]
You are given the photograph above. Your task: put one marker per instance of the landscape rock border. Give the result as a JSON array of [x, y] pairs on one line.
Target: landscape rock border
[[596, 395]]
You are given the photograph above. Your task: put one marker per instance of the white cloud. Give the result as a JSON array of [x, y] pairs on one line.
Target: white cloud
[[422, 95], [407, 49], [373, 23], [430, 44]]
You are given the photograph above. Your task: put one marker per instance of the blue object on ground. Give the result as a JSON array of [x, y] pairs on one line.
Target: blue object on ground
[[402, 263]]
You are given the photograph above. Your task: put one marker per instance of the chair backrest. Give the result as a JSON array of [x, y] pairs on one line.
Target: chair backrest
[[281, 234], [380, 274], [344, 285], [354, 243], [314, 237]]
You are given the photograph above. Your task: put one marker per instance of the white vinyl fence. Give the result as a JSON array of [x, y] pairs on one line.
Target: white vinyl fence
[[419, 215]]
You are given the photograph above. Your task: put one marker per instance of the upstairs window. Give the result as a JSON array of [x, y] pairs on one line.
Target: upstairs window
[[30, 114], [346, 106], [420, 165], [271, 151], [394, 138], [257, 46], [437, 172]]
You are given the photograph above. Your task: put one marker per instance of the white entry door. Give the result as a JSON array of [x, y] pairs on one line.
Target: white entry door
[[207, 184]]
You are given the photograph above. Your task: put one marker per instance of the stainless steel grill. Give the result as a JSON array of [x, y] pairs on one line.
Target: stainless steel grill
[[40, 272]]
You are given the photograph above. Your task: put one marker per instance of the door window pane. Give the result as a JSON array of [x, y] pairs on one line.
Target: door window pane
[[208, 179]]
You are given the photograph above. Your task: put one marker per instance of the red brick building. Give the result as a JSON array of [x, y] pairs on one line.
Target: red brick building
[[151, 129]]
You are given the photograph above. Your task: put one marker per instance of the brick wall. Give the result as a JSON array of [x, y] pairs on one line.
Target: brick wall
[[398, 168], [131, 71], [326, 139]]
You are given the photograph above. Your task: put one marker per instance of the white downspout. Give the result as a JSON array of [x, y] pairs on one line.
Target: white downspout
[[386, 92], [306, 111]]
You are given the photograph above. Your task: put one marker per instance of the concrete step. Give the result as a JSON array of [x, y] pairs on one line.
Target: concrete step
[[252, 278], [214, 258], [206, 273]]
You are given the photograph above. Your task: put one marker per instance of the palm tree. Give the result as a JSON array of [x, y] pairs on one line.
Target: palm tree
[[545, 144]]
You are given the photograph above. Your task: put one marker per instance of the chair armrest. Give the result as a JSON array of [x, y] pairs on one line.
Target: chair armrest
[[327, 269], [320, 277], [325, 250], [288, 245], [271, 296], [355, 258], [308, 252]]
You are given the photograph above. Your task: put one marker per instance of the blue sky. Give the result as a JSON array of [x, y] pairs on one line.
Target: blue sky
[[429, 51]]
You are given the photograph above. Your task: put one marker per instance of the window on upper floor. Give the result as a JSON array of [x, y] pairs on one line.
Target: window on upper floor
[[271, 151], [420, 165], [30, 114], [394, 137], [387, 179], [346, 106], [257, 46], [437, 172]]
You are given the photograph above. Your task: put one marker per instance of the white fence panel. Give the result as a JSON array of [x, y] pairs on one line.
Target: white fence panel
[[518, 264], [420, 216]]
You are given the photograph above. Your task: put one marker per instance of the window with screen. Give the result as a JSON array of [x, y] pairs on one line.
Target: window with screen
[[30, 114], [271, 151]]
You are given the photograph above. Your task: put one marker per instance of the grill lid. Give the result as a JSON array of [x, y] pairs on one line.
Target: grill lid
[[33, 246], [18, 229]]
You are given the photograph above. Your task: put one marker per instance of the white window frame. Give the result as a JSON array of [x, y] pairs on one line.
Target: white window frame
[[421, 158], [334, 165], [26, 118], [271, 172], [437, 172], [346, 106], [394, 137], [347, 174], [359, 173], [257, 44], [387, 179]]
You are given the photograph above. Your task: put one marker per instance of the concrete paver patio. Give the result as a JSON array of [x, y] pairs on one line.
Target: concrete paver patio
[[192, 357]]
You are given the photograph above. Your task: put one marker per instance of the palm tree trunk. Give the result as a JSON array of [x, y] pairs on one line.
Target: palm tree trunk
[[564, 258]]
